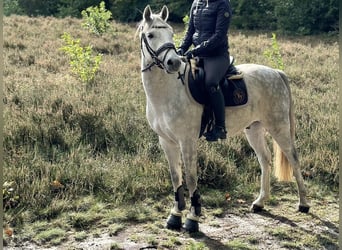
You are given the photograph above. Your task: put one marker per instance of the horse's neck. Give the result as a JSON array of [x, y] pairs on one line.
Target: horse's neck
[[161, 87], [170, 110]]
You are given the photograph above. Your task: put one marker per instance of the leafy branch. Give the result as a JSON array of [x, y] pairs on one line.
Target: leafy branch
[[82, 62], [273, 54]]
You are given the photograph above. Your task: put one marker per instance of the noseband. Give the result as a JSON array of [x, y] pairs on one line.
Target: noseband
[[155, 54]]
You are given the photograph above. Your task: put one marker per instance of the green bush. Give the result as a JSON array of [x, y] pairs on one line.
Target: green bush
[[96, 19], [273, 54], [82, 62]]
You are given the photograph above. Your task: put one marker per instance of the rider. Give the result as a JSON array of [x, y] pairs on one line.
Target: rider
[[208, 32]]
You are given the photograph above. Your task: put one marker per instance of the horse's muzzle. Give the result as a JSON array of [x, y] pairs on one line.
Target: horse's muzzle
[[172, 64]]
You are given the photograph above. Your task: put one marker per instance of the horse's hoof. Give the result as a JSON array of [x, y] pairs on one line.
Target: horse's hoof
[[303, 209], [174, 222], [256, 208], [191, 226]]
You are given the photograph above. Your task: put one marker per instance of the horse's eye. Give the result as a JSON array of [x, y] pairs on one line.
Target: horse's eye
[[150, 35]]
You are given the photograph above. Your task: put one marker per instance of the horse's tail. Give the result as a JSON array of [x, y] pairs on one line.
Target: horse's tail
[[283, 170]]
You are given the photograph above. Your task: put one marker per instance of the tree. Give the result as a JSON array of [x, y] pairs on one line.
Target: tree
[[306, 17], [128, 10], [12, 7], [38, 7], [290, 16], [131, 10], [74, 7], [253, 14]]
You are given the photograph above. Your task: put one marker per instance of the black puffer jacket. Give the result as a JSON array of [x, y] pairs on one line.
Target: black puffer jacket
[[208, 28]]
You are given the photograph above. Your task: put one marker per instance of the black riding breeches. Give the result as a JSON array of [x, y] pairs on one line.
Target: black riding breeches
[[215, 68]]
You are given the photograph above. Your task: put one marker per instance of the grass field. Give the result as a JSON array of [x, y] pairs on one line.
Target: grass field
[[81, 158]]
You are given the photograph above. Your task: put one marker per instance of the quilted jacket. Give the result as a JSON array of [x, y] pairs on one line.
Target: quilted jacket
[[208, 28]]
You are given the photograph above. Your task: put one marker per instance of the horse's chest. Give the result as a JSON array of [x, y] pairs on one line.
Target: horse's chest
[[158, 119], [166, 120]]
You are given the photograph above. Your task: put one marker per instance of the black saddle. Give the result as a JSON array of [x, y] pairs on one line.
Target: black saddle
[[232, 85]]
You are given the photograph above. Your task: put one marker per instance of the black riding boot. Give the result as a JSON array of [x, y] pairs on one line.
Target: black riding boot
[[217, 103]]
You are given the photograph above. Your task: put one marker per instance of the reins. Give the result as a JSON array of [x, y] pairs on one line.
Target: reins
[[154, 54], [182, 76]]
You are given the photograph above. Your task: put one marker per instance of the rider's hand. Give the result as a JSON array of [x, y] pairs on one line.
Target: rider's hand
[[180, 52], [189, 54]]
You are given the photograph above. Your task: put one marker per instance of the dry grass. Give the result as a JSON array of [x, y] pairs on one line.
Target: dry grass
[[96, 142]]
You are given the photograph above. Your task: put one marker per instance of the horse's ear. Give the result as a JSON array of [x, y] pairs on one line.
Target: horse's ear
[[164, 14], [147, 13]]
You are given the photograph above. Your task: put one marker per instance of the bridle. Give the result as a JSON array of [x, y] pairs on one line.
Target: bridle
[[154, 54]]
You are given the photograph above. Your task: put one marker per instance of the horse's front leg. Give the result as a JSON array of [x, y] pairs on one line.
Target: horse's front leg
[[189, 155], [172, 153]]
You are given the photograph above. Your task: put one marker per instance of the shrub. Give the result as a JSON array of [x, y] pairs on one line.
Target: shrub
[[273, 54], [82, 62], [96, 19]]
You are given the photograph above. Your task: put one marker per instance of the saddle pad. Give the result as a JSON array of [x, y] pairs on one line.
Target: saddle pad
[[234, 91]]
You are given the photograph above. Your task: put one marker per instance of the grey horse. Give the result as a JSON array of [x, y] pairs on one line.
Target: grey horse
[[174, 115]]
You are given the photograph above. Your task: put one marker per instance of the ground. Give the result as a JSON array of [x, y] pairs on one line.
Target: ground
[[279, 226]]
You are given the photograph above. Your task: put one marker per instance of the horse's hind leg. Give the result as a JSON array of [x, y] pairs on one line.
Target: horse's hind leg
[[256, 138], [282, 136], [172, 153]]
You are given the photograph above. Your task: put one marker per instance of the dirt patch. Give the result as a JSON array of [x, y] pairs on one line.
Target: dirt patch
[[279, 227]]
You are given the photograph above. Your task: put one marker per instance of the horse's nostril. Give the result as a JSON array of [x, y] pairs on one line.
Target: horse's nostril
[[173, 64], [177, 63]]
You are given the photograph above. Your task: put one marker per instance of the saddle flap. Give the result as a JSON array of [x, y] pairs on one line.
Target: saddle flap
[[197, 70]]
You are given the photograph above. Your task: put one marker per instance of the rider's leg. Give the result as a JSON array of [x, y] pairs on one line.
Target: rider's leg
[[215, 68], [217, 103]]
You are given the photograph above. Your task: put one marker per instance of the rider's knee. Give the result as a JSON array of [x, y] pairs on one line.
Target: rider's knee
[[212, 88]]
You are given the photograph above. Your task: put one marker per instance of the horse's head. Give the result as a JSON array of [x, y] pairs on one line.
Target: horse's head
[[157, 45]]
